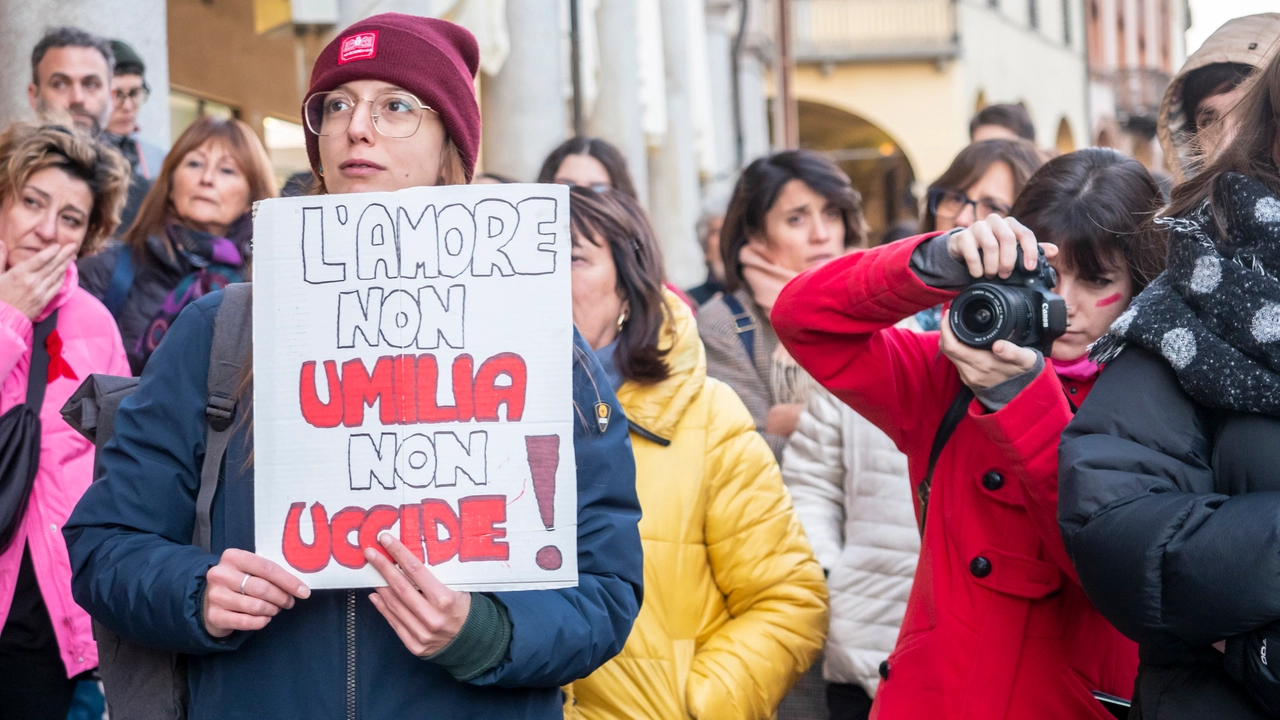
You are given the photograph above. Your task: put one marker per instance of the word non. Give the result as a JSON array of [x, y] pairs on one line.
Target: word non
[[417, 461]]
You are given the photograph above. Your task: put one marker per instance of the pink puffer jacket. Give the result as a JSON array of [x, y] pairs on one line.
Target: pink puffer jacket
[[90, 344]]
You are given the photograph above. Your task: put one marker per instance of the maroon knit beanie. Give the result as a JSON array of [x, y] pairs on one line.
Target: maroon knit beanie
[[433, 59]]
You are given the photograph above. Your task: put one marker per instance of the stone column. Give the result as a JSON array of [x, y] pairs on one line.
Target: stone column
[[141, 23], [720, 69], [673, 180], [524, 104], [616, 117], [757, 52]]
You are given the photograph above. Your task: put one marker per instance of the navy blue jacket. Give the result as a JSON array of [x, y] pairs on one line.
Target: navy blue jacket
[[135, 571]]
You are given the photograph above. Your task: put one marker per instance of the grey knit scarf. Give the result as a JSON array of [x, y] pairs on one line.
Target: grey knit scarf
[[1214, 314]]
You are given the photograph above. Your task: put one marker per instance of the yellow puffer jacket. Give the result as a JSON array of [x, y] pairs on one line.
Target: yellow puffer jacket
[[735, 605]]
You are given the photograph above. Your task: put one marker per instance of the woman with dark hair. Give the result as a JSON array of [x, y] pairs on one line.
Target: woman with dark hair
[[1170, 499], [986, 177], [997, 624], [791, 211], [61, 194], [588, 162], [735, 607], [193, 233], [398, 112]]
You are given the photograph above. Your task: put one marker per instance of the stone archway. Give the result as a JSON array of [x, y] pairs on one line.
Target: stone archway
[[874, 161], [1065, 142]]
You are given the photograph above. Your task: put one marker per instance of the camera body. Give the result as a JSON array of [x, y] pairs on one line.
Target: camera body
[[1022, 309]]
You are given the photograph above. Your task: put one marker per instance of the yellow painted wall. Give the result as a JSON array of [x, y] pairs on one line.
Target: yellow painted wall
[[215, 53], [917, 103]]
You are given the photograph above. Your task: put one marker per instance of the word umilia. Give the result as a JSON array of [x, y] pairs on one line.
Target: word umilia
[[405, 388], [432, 531]]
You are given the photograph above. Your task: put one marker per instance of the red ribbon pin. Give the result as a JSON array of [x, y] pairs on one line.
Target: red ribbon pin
[[58, 366]]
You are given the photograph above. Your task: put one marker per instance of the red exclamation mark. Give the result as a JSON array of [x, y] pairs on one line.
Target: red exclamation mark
[[544, 459]]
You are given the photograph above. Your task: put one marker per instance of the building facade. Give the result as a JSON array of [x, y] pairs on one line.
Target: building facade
[[1134, 48], [888, 86]]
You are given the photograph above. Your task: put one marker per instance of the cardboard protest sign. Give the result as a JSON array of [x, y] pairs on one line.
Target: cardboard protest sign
[[413, 373]]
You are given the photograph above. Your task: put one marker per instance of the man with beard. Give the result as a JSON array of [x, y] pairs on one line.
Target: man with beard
[[71, 71]]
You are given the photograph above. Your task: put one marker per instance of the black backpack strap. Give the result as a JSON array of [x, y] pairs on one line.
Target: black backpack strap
[[38, 376], [231, 354], [952, 418], [743, 324], [121, 281]]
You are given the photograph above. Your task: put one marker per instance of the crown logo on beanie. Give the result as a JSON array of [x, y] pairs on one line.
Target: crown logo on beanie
[[361, 46]]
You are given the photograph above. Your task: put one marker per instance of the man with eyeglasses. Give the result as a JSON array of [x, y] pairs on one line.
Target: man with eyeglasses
[[71, 72], [129, 91]]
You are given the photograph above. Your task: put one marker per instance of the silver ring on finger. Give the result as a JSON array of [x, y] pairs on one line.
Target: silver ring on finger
[[242, 582]]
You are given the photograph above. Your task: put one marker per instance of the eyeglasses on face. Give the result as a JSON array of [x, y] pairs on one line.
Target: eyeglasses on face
[[138, 95], [395, 114], [949, 204], [594, 187]]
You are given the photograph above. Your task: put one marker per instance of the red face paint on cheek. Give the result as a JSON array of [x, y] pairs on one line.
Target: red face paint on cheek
[[1108, 300]]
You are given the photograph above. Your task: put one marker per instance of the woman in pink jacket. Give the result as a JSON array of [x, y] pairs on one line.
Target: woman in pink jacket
[[60, 197]]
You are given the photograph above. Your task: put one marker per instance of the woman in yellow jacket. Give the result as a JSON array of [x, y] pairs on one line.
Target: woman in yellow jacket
[[735, 605]]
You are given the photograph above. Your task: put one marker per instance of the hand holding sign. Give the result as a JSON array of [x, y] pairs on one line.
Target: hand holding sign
[[244, 591], [424, 613], [413, 366]]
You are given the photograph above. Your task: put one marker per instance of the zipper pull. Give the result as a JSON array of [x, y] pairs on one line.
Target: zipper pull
[[602, 416]]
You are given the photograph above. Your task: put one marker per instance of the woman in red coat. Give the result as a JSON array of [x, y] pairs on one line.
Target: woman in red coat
[[997, 625]]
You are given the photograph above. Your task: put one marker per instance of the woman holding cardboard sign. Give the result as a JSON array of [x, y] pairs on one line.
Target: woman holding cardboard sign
[[391, 106], [737, 605]]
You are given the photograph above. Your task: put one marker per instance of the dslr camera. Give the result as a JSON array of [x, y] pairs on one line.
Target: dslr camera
[[1022, 309]]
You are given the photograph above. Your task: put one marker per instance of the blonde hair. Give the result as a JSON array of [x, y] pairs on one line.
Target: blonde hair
[[243, 146], [27, 148]]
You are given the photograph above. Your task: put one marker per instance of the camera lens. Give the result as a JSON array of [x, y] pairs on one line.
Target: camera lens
[[979, 317], [986, 312]]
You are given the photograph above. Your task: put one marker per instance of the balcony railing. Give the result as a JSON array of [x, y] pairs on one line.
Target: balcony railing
[[833, 31], [1138, 94]]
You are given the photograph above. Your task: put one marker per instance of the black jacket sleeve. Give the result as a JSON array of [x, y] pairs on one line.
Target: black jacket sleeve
[[1157, 550]]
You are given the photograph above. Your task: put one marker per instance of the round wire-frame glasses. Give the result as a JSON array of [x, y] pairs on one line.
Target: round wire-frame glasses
[[395, 114]]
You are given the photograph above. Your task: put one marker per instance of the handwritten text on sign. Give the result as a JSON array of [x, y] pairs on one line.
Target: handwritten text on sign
[[413, 374]]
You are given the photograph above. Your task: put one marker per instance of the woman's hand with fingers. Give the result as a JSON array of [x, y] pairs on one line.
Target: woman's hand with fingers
[[988, 248], [425, 614], [982, 369], [244, 591], [30, 285]]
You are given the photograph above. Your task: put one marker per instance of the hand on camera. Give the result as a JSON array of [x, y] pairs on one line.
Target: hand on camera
[[982, 369], [989, 248]]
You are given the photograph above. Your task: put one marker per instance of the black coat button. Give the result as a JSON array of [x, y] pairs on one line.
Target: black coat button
[[993, 480], [980, 567], [884, 669]]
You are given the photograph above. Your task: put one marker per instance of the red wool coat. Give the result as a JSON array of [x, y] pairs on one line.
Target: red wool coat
[[997, 625]]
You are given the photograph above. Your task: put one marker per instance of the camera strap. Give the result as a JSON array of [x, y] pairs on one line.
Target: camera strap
[[952, 418]]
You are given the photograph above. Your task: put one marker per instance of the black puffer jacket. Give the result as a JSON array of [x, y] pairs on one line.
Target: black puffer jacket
[[1171, 513], [156, 277]]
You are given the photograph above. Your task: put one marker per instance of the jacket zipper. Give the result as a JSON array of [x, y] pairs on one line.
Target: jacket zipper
[[351, 655]]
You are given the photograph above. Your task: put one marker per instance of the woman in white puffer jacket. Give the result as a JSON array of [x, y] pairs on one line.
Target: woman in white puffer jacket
[[850, 487]]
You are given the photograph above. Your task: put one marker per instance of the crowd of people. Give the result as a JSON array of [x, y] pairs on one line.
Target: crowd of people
[[823, 501]]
